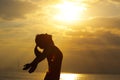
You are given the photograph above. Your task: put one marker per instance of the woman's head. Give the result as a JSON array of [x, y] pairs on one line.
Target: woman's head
[[43, 40]]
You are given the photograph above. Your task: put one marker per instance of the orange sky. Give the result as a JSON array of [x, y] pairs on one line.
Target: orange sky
[[85, 30]]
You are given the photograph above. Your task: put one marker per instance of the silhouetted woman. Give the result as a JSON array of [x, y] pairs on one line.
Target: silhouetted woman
[[51, 52]]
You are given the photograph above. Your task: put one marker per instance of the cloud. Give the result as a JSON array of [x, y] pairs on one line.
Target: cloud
[[115, 1], [96, 44], [103, 39], [13, 9], [90, 1], [97, 33], [95, 51], [105, 22], [93, 61]]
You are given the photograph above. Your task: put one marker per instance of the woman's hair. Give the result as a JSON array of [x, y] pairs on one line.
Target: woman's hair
[[44, 39]]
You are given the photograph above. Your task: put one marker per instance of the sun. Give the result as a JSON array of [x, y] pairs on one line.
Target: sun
[[69, 12]]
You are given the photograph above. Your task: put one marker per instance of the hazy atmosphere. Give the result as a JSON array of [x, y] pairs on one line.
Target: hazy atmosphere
[[86, 31]]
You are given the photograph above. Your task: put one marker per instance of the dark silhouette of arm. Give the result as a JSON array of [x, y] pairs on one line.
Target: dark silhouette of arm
[[36, 51], [35, 62], [33, 65]]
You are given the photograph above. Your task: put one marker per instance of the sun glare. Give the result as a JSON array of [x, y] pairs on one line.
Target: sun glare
[[69, 12], [69, 76]]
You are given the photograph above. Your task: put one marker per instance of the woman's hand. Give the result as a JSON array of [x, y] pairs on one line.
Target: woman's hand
[[27, 66], [30, 67], [36, 51]]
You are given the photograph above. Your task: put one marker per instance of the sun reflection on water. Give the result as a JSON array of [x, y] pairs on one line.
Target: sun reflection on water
[[69, 76]]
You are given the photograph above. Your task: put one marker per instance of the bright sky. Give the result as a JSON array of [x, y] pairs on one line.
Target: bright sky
[[79, 28]]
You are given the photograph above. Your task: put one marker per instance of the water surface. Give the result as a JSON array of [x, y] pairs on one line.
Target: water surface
[[64, 76]]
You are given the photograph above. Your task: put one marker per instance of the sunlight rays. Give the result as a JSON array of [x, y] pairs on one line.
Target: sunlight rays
[[68, 12]]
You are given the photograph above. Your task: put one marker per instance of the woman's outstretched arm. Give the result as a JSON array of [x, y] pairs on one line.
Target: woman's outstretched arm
[[35, 62], [39, 57]]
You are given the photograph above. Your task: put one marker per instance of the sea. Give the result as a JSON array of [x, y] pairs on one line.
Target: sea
[[63, 76]]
